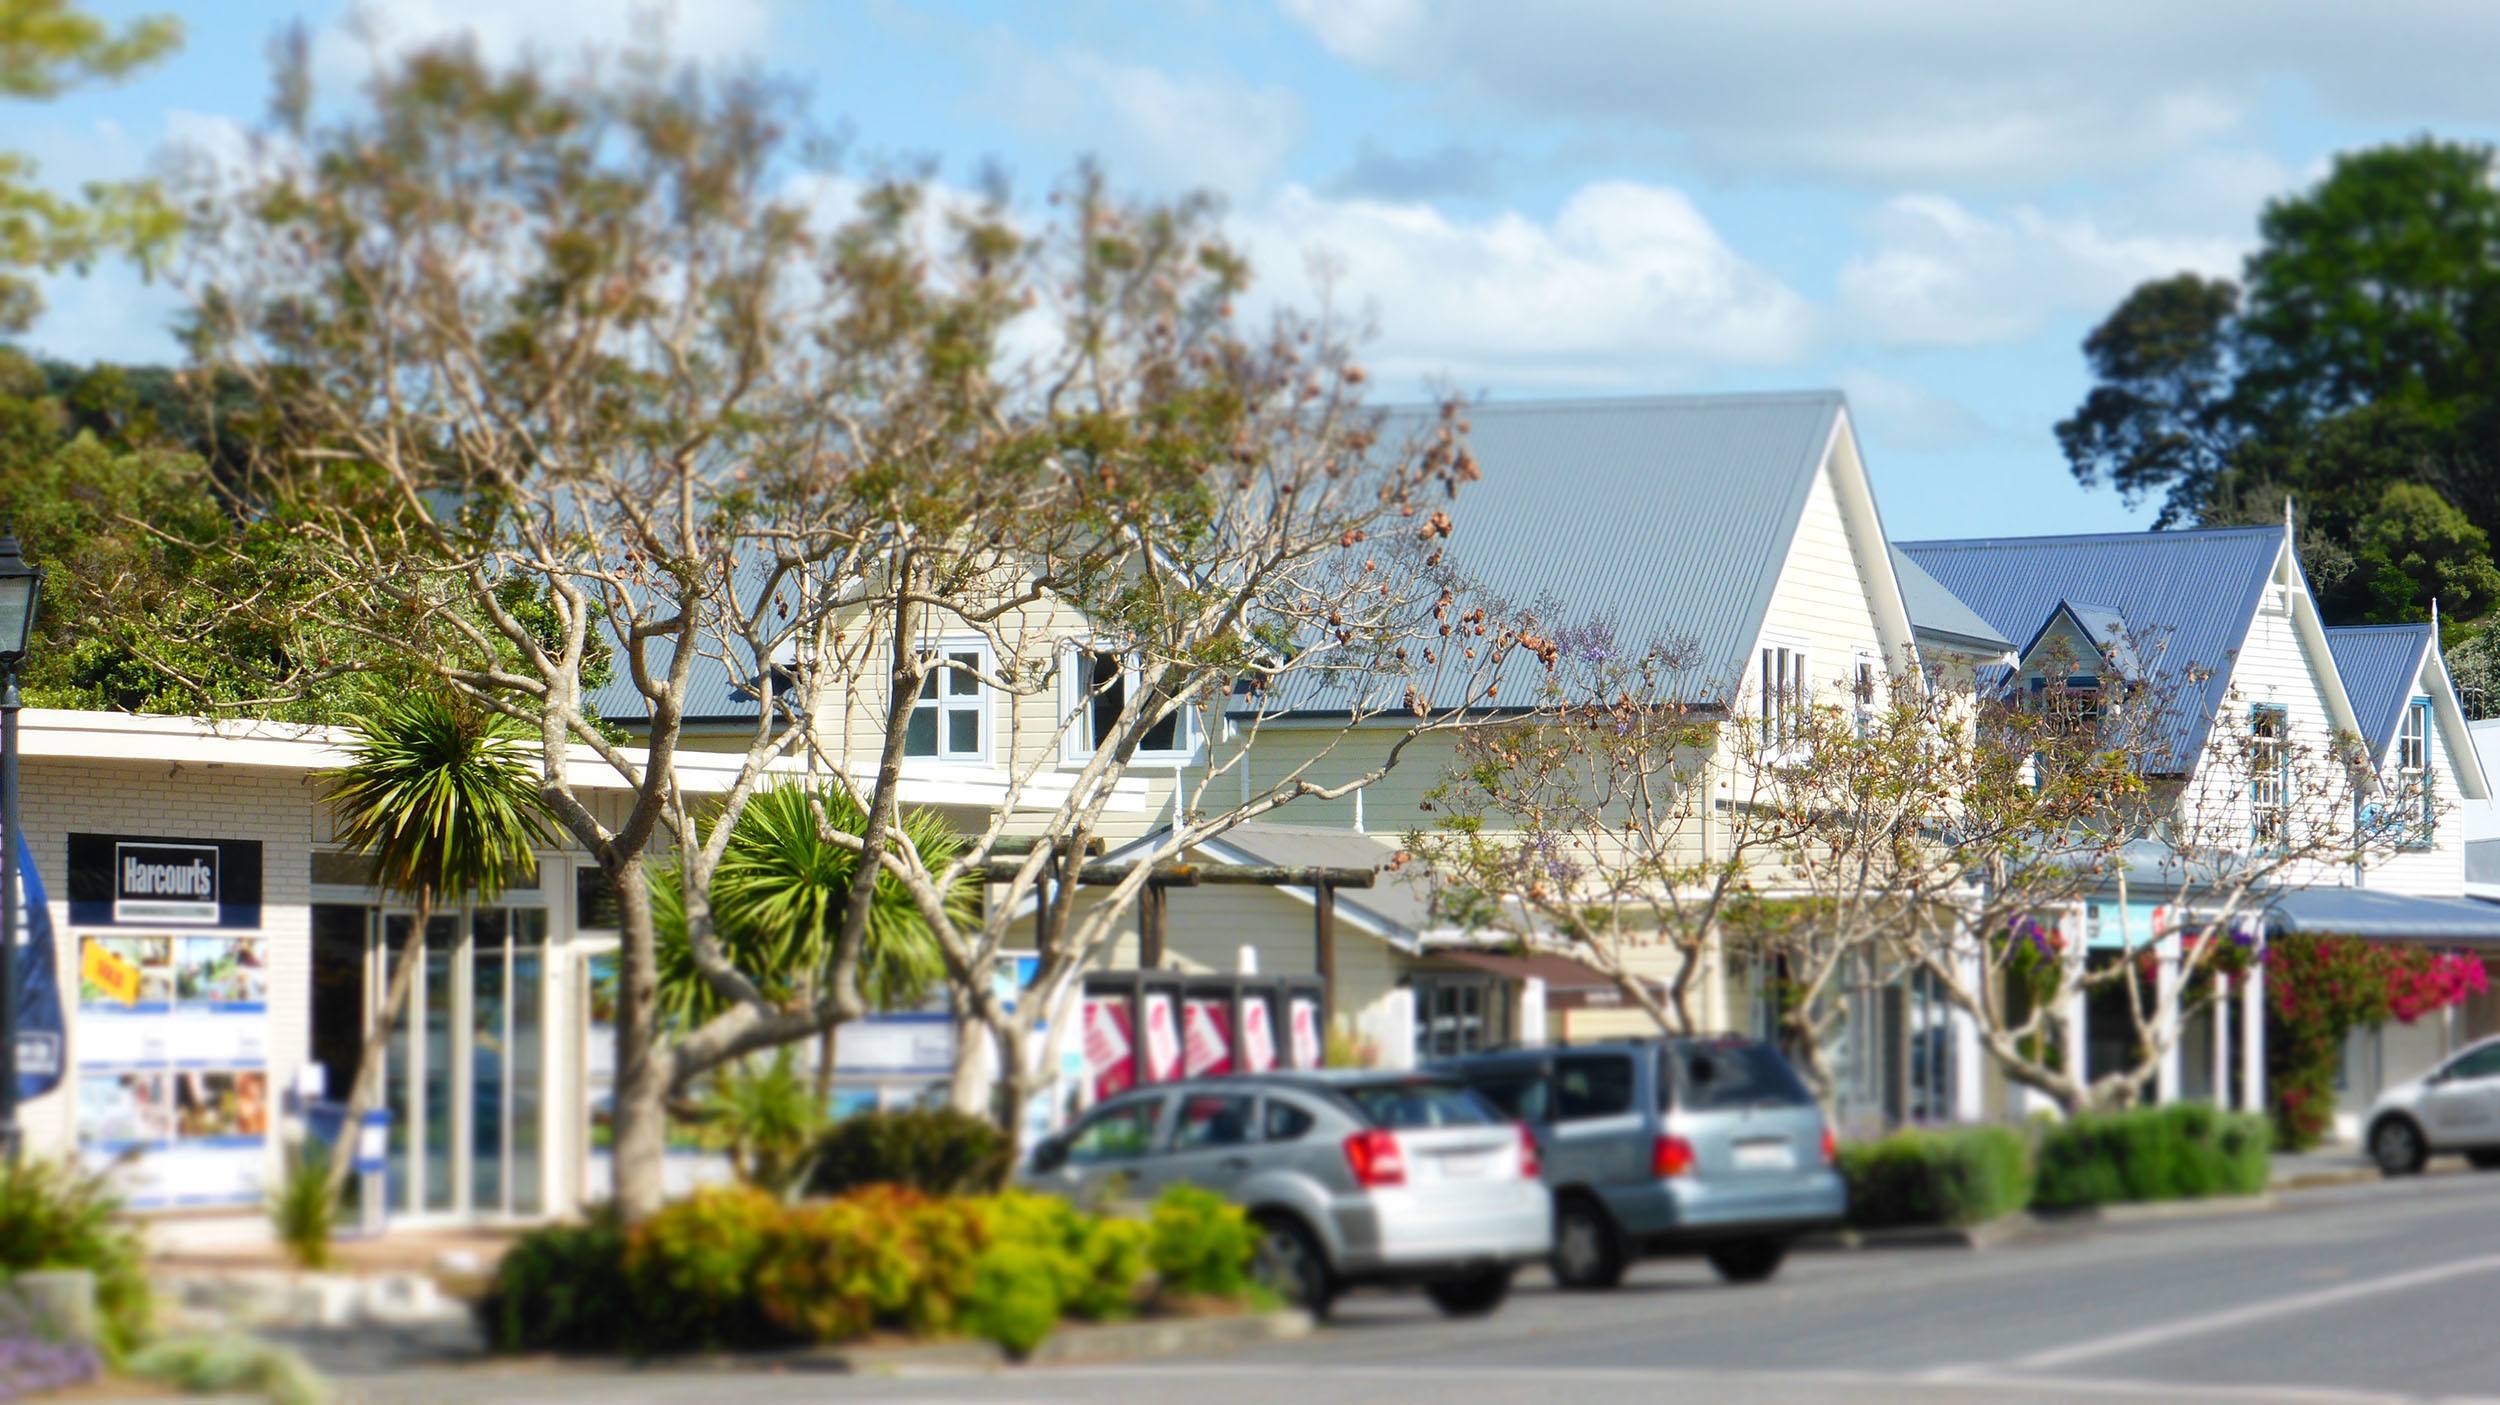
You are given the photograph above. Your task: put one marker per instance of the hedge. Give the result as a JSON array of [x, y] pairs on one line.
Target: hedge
[[2182, 1152], [730, 1267], [1962, 1176]]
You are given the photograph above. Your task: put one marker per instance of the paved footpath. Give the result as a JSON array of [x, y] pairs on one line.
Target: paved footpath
[[2363, 1293]]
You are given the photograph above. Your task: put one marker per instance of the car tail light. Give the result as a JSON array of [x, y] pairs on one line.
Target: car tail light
[[1376, 1158], [1831, 1147], [1531, 1161], [1673, 1157]]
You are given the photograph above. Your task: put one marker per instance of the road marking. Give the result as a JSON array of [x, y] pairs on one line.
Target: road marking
[[2252, 1313]]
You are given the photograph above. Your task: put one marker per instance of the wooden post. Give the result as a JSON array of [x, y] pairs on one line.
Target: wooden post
[[1324, 937], [1150, 925], [1043, 906]]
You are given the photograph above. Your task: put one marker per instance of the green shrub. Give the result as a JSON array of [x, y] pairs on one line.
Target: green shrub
[[232, 1364], [881, 1256], [562, 1287], [1014, 1299], [692, 1268], [936, 1150], [1964, 1176], [302, 1210], [1201, 1244], [1097, 1263], [55, 1215], [2182, 1152]]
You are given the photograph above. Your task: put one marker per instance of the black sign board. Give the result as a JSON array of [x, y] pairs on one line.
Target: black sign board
[[133, 880]]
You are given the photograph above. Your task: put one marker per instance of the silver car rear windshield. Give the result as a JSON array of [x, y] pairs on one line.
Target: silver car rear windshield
[[1733, 1073], [1418, 1102]]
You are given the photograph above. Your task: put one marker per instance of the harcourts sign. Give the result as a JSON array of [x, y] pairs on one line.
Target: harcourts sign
[[164, 883]]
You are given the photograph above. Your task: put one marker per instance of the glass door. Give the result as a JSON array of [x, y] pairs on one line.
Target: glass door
[[465, 1075]]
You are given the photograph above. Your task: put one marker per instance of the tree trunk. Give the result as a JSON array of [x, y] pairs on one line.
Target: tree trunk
[[642, 1073], [377, 1040], [824, 1067]]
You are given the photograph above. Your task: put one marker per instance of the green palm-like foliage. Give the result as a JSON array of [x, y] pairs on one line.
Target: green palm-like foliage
[[440, 794], [777, 901]]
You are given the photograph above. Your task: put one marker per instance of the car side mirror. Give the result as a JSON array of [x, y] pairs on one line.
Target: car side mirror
[[1049, 1154]]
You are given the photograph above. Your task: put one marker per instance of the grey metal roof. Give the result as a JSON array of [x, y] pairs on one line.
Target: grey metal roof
[[2195, 592], [1661, 519], [715, 692], [1937, 611], [1399, 902], [2378, 663], [2384, 916]]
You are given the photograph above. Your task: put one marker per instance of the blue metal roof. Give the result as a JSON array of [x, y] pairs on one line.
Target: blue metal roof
[[1935, 610], [1669, 517], [2195, 592], [2379, 663], [2385, 916]]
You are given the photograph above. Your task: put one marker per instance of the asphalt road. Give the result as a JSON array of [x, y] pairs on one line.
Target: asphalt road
[[2367, 1293]]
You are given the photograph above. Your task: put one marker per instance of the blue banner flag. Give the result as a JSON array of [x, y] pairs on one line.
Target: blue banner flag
[[39, 1046]]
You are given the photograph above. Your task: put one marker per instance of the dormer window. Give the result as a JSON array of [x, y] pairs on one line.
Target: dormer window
[[2269, 775], [1784, 695], [2413, 769]]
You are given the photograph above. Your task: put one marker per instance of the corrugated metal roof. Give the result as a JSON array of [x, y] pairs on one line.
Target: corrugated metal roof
[[1666, 517], [714, 691], [2378, 663], [2385, 916], [1936, 610], [1399, 901], [2195, 592]]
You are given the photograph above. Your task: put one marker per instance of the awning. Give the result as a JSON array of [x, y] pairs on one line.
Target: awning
[[2382, 916], [1569, 984]]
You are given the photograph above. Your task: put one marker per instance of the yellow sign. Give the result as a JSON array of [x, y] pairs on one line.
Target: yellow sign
[[109, 973]]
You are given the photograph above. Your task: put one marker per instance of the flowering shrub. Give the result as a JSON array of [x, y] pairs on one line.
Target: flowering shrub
[[2318, 990], [31, 1362]]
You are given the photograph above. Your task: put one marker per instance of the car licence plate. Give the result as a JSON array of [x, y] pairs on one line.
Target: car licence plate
[[1765, 1156]]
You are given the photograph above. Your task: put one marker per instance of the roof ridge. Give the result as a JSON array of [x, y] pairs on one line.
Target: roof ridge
[[2416, 626], [1660, 400], [2148, 535]]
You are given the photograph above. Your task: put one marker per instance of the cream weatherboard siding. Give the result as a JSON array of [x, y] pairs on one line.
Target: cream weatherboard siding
[[2282, 662], [2439, 869]]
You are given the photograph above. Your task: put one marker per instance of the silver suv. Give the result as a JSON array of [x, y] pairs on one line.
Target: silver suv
[[2454, 1107], [1352, 1177], [1658, 1146]]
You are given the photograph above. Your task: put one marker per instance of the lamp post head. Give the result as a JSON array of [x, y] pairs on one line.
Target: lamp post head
[[21, 586]]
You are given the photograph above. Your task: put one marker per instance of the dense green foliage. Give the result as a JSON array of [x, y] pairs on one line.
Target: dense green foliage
[[55, 1215], [302, 1211], [733, 1267], [2354, 367], [2182, 1152], [936, 1150], [769, 1119], [442, 795], [1956, 1176]]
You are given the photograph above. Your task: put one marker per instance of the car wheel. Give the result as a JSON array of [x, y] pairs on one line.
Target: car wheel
[[1749, 1260], [2396, 1145], [1290, 1264], [1472, 1296], [2485, 1158], [1588, 1253]]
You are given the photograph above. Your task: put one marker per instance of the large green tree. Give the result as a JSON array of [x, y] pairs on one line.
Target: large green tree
[[2355, 368]]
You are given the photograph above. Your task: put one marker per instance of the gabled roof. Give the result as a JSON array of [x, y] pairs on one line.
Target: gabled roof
[[2196, 592], [2379, 663], [2104, 627], [1669, 516], [1938, 614]]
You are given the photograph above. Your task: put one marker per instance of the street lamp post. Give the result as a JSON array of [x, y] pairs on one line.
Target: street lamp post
[[20, 585]]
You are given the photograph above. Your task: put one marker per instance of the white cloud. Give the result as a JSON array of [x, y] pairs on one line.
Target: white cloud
[[1151, 128], [1627, 284], [1919, 92], [1940, 274], [505, 30]]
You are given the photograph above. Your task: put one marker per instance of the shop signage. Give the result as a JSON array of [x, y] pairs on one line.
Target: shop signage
[[148, 880]]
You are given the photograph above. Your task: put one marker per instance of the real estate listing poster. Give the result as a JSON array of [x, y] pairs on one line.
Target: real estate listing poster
[[173, 1082]]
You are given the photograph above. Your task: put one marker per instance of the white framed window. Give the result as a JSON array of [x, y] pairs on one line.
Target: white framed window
[[2269, 781], [1095, 688], [1866, 692], [950, 720], [2413, 768], [1784, 694]]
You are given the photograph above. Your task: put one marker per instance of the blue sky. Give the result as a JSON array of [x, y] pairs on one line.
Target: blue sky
[[1926, 204]]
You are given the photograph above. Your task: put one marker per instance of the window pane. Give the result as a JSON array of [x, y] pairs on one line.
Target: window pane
[[1211, 1120], [1286, 1122], [1522, 1096], [1598, 1086], [929, 685], [961, 682], [1738, 1074], [1109, 694], [1114, 1134], [963, 732], [920, 734], [1418, 1102]]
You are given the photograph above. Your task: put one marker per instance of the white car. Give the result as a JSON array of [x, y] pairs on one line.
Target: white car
[[2454, 1107]]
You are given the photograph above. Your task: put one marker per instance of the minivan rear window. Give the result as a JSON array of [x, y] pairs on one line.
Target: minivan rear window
[[1418, 1102], [1734, 1073]]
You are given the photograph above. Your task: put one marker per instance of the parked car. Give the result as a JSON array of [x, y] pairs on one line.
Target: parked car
[[1660, 1146], [2454, 1107], [1352, 1177]]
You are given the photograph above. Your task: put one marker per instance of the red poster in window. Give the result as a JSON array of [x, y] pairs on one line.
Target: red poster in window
[[1258, 1037], [1110, 1054], [1163, 1041], [1206, 1038], [1306, 1044]]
